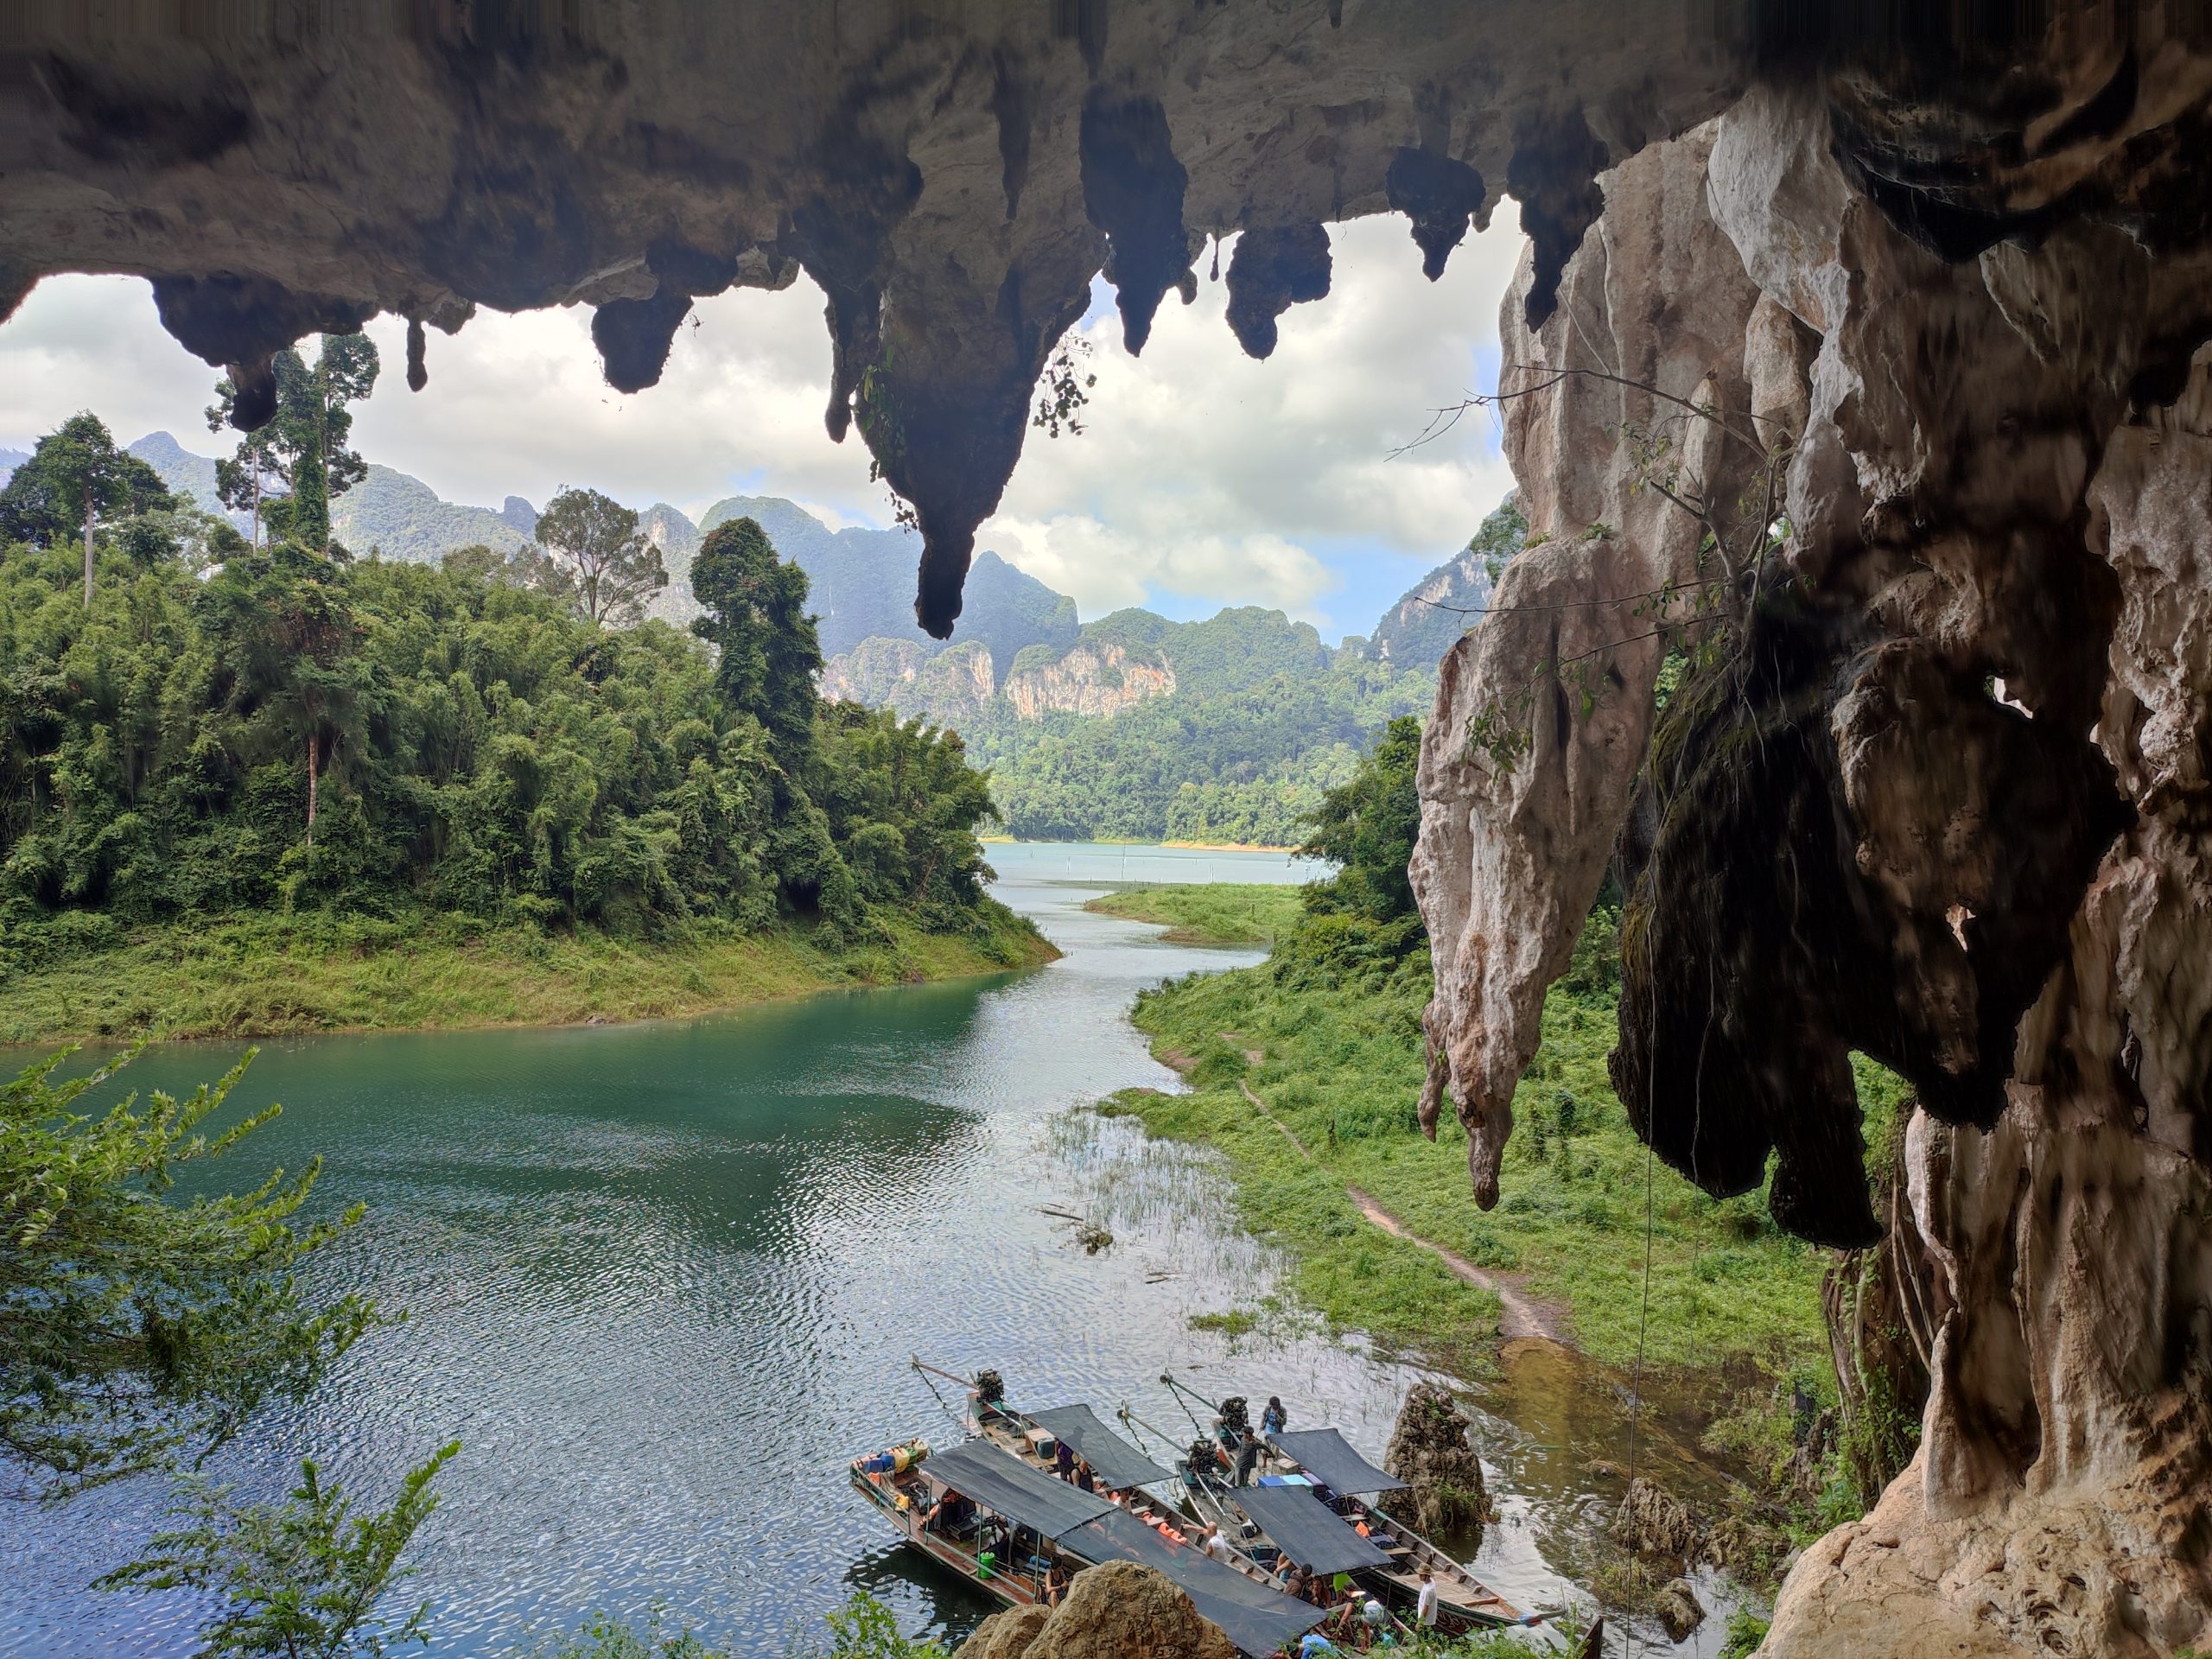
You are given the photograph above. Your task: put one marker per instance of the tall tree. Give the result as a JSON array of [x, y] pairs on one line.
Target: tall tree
[[592, 552], [74, 477], [285, 634], [756, 616], [306, 445], [1368, 825]]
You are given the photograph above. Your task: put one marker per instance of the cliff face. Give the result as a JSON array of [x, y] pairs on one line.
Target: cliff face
[[1933, 788], [1091, 680], [948, 688]]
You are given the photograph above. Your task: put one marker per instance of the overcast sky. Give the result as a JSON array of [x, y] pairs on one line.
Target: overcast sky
[[1202, 479]]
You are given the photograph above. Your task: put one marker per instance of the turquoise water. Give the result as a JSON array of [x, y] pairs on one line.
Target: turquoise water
[[664, 1280]]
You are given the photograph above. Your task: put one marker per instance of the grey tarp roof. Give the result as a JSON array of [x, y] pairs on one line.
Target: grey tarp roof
[[1305, 1529], [1325, 1455], [1257, 1619], [1116, 1461], [1002, 1483]]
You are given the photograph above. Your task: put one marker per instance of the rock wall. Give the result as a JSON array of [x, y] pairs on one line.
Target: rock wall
[[1091, 680], [1941, 798]]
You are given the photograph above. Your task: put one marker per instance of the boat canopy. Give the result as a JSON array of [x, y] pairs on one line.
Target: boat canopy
[[1255, 1618], [1002, 1483], [1115, 1460], [1305, 1529], [1325, 1455]]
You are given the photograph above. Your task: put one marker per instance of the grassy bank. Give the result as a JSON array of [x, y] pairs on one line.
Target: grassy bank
[[1208, 913], [1337, 1035], [273, 976]]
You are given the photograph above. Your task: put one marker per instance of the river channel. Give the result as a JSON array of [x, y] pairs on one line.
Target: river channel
[[664, 1280]]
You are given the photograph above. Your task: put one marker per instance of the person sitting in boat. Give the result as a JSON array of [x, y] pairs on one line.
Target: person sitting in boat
[[1293, 1582], [1215, 1542], [949, 1514], [1274, 1419], [1085, 1477], [1056, 1583]]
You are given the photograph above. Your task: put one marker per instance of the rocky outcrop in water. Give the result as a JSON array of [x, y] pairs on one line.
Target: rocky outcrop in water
[[1117, 1611], [1429, 1449]]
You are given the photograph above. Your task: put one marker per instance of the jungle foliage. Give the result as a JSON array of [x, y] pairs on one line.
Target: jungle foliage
[[297, 732], [136, 1329]]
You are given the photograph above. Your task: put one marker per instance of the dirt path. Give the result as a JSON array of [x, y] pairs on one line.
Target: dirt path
[[1517, 1315]]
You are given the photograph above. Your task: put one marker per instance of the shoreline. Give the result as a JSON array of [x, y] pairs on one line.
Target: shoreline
[[258, 978]]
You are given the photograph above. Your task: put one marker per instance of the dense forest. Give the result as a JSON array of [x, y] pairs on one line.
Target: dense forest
[[1230, 729], [1263, 720], [192, 726]]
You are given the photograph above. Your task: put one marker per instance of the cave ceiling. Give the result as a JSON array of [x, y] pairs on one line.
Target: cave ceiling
[[953, 176]]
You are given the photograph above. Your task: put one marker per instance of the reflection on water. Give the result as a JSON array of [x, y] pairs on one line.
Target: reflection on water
[[664, 1280]]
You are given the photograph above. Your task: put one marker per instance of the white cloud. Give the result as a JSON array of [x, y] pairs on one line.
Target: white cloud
[[1203, 475]]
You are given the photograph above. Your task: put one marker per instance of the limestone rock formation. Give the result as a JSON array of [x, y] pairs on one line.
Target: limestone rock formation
[[1117, 1611], [1652, 317], [1653, 1521], [1006, 1636], [1679, 1610], [951, 175], [1940, 800], [1093, 680], [1429, 1448]]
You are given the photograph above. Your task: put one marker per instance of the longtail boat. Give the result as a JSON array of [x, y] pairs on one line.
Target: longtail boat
[[991, 1510], [1313, 1500]]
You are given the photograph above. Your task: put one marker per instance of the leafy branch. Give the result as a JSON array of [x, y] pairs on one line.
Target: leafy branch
[[1705, 613]]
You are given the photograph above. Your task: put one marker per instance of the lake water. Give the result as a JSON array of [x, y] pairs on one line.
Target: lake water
[[664, 1280]]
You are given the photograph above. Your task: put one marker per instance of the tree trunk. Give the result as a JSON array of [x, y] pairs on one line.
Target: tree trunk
[[88, 547], [312, 746], [257, 502]]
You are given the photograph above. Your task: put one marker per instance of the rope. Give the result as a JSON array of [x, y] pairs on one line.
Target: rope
[[959, 1419], [1635, 1381]]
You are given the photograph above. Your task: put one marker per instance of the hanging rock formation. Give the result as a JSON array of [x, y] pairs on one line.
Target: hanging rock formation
[[952, 177], [1940, 799]]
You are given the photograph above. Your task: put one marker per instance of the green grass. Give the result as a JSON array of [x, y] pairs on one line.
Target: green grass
[[1209, 913], [1341, 1065], [271, 975]]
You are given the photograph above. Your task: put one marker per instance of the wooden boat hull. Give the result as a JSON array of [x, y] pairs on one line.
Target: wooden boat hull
[[882, 1493]]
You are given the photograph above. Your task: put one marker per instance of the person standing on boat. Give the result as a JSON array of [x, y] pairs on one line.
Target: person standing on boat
[[1248, 1458], [1274, 1419], [1425, 1603], [1064, 1461]]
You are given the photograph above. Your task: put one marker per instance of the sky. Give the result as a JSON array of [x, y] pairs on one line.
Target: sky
[[1202, 478]]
